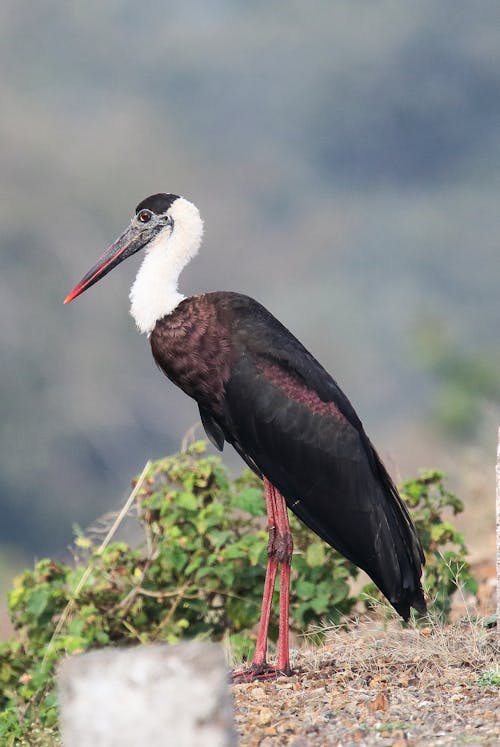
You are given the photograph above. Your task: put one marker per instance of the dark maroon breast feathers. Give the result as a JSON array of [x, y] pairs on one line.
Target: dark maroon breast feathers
[[191, 346]]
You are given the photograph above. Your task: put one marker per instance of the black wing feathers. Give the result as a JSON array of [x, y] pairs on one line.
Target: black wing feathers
[[212, 428], [323, 464]]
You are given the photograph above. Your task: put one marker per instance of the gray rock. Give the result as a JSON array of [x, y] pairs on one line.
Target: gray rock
[[148, 695]]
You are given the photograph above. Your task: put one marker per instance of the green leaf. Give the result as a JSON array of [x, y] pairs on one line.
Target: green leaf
[[177, 557], [38, 601], [187, 501], [320, 603], [339, 590], [471, 585], [193, 565], [305, 589], [235, 551], [251, 501], [315, 554], [442, 532], [257, 550], [219, 537], [203, 572]]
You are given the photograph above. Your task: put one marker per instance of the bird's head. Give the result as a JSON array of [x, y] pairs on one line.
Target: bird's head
[[157, 220]]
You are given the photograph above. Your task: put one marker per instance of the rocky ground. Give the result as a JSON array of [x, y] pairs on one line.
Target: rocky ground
[[435, 686], [377, 683]]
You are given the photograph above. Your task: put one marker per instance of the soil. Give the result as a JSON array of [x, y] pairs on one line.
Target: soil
[[430, 687], [376, 683]]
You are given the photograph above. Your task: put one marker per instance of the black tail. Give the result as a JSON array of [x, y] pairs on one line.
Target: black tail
[[401, 585]]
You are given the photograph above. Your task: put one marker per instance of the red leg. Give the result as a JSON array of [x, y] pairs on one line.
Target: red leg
[[279, 549], [283, 641], [259, 658], [285, 550]]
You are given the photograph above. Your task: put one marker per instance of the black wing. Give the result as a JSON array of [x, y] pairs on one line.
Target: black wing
[[291, 422]]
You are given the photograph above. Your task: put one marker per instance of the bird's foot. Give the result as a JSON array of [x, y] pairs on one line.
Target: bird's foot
[[258, 673]]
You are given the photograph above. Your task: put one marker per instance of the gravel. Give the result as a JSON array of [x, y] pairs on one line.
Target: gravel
[[370, 687]]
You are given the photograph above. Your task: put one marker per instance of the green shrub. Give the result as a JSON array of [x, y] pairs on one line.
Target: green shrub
[[198, 571]]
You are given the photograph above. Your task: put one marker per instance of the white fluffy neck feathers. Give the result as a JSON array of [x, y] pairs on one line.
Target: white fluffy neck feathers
[[154, 292]]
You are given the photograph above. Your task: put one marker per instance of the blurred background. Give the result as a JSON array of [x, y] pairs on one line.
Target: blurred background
[[346, 159]]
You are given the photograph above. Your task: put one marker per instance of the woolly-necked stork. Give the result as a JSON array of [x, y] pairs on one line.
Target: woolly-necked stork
[[259, 389]]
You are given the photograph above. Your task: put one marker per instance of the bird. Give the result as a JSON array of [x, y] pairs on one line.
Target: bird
[[259, 389]]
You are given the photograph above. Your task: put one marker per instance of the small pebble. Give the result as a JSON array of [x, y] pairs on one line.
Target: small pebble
[[264, 717]]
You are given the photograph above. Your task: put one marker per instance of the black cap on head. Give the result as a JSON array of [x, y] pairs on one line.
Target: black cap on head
[[158, 204]]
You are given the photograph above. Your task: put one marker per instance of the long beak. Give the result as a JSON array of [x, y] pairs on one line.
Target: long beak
[[127, 244]]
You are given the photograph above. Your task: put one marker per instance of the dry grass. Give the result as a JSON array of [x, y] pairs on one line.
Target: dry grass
[[428, 651]]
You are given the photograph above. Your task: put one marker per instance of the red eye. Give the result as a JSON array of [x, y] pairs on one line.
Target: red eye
[[144, 216]]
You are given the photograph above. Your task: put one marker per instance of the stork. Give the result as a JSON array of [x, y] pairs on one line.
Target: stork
[[259, 389]]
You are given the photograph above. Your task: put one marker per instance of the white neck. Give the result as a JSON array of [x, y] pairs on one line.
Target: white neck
[[154, 292]]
